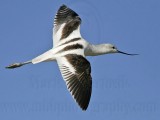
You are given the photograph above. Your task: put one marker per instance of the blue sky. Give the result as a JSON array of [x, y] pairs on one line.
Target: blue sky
[[124, 87]]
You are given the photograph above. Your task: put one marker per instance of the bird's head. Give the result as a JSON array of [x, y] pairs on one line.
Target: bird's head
[[113, 49]]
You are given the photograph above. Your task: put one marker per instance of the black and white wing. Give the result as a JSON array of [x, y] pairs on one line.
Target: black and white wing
[[76, 71], [66, 25]]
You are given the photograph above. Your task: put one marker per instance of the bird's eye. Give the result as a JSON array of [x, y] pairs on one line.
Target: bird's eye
[[114, 47]]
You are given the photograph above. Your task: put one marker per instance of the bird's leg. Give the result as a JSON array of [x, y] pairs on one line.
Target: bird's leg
[[15, 65]]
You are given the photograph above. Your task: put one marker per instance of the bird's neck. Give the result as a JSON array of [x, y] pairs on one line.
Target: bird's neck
[[94, 50]]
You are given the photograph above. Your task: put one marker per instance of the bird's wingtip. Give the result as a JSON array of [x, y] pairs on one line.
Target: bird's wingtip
[[83, 106], [63, 5], [84, 109]]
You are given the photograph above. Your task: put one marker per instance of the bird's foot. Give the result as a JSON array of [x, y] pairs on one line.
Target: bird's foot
[[15, 65]]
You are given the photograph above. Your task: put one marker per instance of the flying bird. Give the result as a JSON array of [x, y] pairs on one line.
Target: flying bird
[[69, 51]]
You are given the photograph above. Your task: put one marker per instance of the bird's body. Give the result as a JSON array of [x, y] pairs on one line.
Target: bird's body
[[69, 51]]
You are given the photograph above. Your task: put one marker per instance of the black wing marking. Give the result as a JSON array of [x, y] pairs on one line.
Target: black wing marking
[[70, 18], [64, 15], [79, 82], [66, 21]]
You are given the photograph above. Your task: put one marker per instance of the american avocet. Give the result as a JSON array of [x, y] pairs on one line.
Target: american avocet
[[69, 50]]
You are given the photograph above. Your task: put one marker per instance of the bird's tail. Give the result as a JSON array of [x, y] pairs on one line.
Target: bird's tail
[[47, 56]]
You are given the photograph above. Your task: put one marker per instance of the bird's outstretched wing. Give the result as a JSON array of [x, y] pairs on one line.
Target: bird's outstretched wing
[[76, 71], [66, 25]]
